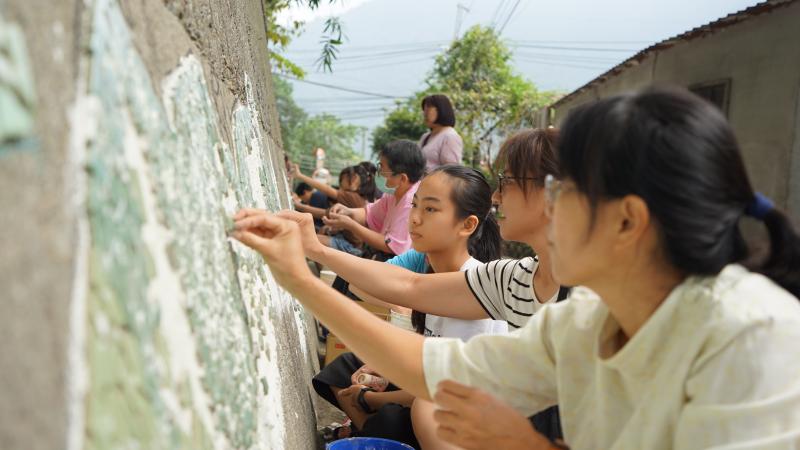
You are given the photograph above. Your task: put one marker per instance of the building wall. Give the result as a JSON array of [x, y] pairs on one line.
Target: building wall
[[759, 57], [132, 131]]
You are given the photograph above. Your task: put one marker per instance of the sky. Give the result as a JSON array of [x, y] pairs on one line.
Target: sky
[[391, 44]]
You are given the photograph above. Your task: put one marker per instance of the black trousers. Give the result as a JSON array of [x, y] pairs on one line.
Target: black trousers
[[391, 421]]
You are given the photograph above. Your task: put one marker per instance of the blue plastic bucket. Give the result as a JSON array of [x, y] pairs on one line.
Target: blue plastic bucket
[[365, 443]]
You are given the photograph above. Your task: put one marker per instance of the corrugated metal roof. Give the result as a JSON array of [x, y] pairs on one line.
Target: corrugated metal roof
[[701, 31]]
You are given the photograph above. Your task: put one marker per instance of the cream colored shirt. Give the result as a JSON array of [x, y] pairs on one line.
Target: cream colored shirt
[[716, 366]]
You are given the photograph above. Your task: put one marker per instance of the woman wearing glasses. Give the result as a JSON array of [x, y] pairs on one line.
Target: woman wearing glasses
[[673, 343]]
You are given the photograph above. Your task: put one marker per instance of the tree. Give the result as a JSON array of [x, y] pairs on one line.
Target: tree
[[301, 133], [326, 131], [490, 99], [404, 122], [279, 36], [290, 114]]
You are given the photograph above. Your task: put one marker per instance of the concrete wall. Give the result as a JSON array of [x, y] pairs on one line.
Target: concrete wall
[[760, 57], [131, 131]]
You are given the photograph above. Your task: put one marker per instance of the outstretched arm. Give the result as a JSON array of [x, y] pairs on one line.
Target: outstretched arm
[[317, 213], [322, 187], [278, 241], [443, 294], [372, 238]]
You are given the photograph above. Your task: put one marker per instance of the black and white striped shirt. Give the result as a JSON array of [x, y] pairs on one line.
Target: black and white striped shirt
[[504, 288]]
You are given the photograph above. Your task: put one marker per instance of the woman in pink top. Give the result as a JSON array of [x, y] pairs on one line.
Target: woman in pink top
[[442, 145]]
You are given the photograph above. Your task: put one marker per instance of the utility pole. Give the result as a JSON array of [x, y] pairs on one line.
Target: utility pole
[[364, 143], [461, 11]]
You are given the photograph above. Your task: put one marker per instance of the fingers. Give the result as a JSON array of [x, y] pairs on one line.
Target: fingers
[[262, 223], [246, 212], [296, 216], [251, 240]]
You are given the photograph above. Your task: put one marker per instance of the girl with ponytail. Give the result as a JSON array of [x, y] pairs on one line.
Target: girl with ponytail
[[452, 229]]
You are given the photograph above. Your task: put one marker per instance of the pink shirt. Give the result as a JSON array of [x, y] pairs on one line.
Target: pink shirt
[[390, 218], [444, 147]]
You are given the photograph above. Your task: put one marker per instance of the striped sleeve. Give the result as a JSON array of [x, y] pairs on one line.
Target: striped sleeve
[[486, 283]]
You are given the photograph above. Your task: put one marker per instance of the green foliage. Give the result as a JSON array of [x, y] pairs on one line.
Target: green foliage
[[326, 131], [404, 122], [279, 36], [301, 133], [331, 39], [490, 99], [290, 114]]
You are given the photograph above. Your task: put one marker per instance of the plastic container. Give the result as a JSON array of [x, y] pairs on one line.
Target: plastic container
[[366, 443]]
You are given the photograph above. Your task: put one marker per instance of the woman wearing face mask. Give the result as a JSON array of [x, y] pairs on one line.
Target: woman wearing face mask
[[451, 230], [383, 225], [672, 344]]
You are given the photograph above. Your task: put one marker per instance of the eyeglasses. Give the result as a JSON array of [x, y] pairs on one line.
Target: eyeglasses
[[380, 171], [504, 180], [552, 190]]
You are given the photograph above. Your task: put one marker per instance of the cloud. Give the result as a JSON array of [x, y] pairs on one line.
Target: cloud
[[326, 9]]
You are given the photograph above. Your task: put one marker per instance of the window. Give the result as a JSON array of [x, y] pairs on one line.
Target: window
[[716, 92]]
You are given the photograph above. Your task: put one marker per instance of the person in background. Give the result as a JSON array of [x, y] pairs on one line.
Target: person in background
[[442, 145], [351, 193], [383, 225], [509, 290], [676, 337], [372, 171], [311, 201], [452, 229]]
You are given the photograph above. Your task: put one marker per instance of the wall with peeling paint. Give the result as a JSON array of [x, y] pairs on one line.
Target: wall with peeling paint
[[129, 320]]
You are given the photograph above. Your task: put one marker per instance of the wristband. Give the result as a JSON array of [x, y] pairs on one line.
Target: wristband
[[362, 402]]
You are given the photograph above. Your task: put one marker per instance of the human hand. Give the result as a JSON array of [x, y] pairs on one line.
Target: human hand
[[338, 221], [305, 221], [474, 420], [348, 398], [279, 242], [363, 369], [339, 209]]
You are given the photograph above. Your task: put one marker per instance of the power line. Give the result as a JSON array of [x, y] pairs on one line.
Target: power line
[[375, 47], [508, 19], [340, 88], [375, 66], [581, 49], [496, 14]]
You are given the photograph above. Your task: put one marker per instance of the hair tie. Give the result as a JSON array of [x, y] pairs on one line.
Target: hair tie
[[759, 207]]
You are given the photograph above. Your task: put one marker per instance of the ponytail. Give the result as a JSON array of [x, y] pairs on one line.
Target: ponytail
[[367, 188], [485, 243], [782, 264], [472, 196], [678, 153]]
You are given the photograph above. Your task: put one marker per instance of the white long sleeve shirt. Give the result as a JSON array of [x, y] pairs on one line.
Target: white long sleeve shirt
[[716, 366]]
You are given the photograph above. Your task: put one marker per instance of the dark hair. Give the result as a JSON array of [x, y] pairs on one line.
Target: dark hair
[[445, 115], [369, 167], [302, 188], [472, 196], [404, 156], [366, 186], [530, 153], [678, 153]]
